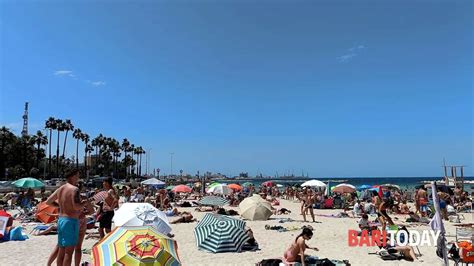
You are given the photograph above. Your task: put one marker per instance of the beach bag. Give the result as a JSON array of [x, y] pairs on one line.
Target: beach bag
[[269, 262], [16, 234]]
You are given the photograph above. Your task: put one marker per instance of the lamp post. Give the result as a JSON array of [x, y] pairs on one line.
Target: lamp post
[[171, 155]]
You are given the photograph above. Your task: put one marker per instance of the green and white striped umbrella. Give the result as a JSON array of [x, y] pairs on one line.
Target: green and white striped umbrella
[[213, 201], [219, 233]]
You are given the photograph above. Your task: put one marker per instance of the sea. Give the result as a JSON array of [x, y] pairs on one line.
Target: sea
[[408, 183]]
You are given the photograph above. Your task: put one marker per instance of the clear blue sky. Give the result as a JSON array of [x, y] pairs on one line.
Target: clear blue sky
[[334, 88]]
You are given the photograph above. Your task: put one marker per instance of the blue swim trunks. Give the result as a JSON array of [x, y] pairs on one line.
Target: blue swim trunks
[[68, 231]]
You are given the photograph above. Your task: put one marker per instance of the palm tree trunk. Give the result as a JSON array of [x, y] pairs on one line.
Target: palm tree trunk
[[38, 156], [77, 154], [57, 157], [2, 161], [65, 139], [49, 140], [140, 169]]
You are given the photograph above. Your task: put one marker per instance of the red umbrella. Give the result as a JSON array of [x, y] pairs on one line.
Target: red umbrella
[[6, 214], [235, 187], [267, 184], [182, 188]]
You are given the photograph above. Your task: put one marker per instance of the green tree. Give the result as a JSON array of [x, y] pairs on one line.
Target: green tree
[[6, 137], [68, 126], [39, 139], [77, 134], [51, 125]]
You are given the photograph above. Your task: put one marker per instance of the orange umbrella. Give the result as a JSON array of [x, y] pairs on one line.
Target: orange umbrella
[[42, 213], [235, 187], [182, 189]]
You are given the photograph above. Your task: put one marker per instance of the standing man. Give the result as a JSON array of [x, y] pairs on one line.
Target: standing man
[[110, 203], [67, 198]]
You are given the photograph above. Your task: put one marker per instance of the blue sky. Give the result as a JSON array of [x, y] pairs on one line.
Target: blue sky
[[334, 88]]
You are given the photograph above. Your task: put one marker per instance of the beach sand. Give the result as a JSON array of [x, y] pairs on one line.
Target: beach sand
[[330, 236]]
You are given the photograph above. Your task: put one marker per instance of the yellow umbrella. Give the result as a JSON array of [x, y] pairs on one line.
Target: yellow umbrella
[[137, 245], [255, 208]]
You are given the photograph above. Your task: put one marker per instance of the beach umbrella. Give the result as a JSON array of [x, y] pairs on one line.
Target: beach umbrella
[[153, 182], [344, 188], [313, 183], [391, 186], [364, 187], [182, 189], [213, 184], [247, 184], [135, 245], [213, 201], [28, 182], [42, 213], [279, 185], [100, 196], [170, 187], [255, 208], [267, 184], [141, 214], [235, 187], [220, 233], [220, 189]]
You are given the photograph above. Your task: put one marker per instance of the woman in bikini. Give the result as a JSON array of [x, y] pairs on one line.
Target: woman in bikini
[[295, 253]]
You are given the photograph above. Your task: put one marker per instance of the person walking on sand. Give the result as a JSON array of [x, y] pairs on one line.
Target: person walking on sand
[[308, 202], [67, 199]]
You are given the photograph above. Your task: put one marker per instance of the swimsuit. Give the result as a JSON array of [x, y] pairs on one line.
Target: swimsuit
[[68, 231]]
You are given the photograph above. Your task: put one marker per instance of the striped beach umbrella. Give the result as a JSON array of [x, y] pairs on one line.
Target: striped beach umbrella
[[219, 233], [213, 184], [141, 245], [344, 188], [213, 201], [221, 189]]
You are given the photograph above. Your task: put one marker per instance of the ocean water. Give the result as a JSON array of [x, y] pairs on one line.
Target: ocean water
[[403, 182]]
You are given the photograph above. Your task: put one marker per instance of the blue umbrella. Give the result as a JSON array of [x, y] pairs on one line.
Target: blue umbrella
[[364, 187]]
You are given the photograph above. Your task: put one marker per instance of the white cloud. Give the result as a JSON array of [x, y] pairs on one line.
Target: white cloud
[[98, 83], [351, 54], [67, 73]]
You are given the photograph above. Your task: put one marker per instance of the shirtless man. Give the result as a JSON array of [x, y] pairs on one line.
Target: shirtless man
[[308, 202], [67, 198], [423, 199]]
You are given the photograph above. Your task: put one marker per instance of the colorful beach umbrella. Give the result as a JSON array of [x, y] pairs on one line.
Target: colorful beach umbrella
[[221, 189], [28, 182], [247, 184], [255, 208], [141, 214], [213, 184], [182, 189], [42, 213], [344, 188], [213, 201], [313, 183], [235, 187], [220, 233], [267, 184], [141, 245], [170, 187]]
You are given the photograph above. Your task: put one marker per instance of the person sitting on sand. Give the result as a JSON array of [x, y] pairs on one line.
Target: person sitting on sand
[[172, 212], [295, 253], [223, 211], [404, 209], [251, 244], [185, 217], [357, 209], [364, 223]]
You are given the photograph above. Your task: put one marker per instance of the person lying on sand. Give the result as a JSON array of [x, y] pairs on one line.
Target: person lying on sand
[[204, 209], [186, 217], [281, 211]]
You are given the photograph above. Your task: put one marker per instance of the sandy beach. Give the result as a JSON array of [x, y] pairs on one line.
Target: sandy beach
[[330, 237]]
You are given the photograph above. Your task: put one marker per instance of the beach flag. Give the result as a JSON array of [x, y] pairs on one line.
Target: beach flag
[[219, 233]]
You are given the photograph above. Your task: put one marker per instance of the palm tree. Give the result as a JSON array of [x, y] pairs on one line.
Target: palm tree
[[77, 134], [60, 127], [132, 150], [142, 151], [85, 138], [5, 136], [39, 139], [51, 125], [136, 151], [67, 127], [125, 148]]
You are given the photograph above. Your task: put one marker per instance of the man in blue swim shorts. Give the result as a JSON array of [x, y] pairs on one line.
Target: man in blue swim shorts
[[67, 199]]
